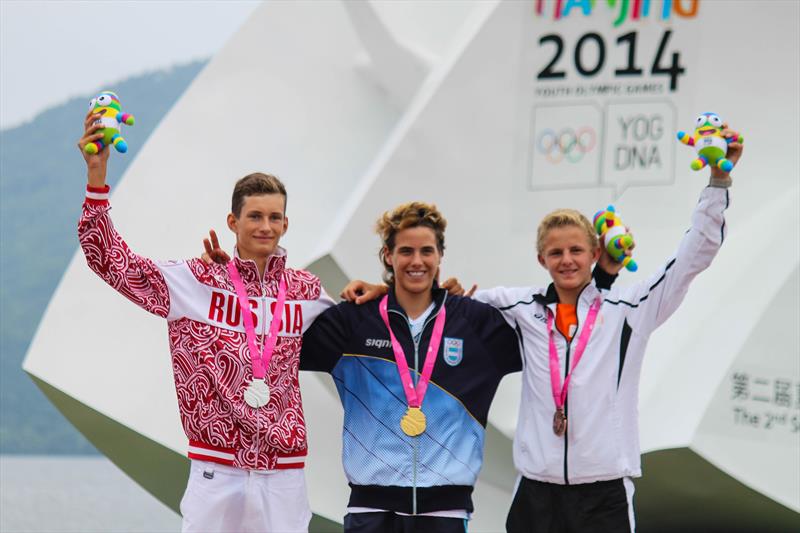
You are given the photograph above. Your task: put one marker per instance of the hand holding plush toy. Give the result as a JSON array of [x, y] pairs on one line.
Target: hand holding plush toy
[[107, 104], [711, 145], [615, 237]]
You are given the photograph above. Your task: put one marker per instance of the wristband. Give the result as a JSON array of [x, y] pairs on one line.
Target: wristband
[[720, 183]]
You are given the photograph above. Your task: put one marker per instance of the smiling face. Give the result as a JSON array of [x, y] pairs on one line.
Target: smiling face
[[414, 259], [708, 124], [568, 255], [260, 225], [105, 102]]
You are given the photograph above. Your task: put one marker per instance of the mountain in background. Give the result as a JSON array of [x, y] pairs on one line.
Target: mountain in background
[[42, 186]]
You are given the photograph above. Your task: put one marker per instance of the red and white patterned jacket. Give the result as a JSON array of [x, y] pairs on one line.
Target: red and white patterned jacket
[[210, 355]]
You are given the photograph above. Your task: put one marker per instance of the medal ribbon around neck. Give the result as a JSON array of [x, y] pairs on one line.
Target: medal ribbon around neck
[[559, 391], [259, 361], [413, 422]]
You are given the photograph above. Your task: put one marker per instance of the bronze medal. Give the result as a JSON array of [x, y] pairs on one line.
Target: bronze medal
[[413, 422], [559, 422], [559, 390]]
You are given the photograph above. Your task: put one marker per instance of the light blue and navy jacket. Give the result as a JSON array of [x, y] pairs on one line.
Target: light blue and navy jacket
[[386, 468]]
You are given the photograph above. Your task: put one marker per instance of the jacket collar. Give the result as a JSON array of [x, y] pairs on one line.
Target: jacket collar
[[585, 298], [549, 297], [276, 263], [439, 296]]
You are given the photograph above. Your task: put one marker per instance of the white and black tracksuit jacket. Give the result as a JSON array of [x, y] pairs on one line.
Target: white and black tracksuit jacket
[[602, 440]]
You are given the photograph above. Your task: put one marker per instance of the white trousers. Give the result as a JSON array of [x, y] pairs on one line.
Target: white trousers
[[223, 499]]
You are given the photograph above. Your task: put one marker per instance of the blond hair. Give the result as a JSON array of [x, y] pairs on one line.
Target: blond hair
[[405, 216], [565, 217]]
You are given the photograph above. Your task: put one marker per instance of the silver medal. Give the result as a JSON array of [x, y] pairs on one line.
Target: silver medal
[[257, 393]]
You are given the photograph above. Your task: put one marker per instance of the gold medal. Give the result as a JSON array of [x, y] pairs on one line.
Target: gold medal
[[413, 422], [559, 422]]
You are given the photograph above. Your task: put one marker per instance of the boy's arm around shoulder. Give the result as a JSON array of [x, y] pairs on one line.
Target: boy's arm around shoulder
[[505, 297], [508, 301]]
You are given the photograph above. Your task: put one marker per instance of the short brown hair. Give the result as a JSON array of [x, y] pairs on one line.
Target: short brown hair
[[256, 184], [565, 217], [404, 216]]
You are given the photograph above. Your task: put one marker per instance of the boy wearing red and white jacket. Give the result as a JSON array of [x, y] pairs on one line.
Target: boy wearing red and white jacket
[[240, 407]]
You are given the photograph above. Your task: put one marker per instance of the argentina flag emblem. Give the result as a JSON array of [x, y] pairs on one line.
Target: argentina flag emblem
[[453, 350]]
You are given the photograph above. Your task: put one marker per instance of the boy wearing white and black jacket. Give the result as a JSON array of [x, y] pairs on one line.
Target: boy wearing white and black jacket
[[576, 469]]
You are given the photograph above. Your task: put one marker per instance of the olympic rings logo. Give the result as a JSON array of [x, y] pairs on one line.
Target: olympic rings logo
[[567, 144]]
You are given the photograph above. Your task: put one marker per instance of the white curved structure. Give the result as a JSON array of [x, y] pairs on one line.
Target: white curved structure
[[359, 106]]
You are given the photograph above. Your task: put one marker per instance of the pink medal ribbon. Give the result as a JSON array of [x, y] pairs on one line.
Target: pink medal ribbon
[[257, 393], [559, 392], [413, 422]]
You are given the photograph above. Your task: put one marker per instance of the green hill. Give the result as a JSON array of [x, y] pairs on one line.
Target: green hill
[[42, 183]]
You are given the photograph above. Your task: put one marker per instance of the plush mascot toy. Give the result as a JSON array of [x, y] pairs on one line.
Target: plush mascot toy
[[107, 104], [615, 237], [711, 146]]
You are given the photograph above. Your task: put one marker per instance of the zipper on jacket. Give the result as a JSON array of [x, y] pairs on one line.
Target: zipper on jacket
[[262, 290], [416, 440], [262, 285], [415, 447], [566, 372], [566, 409]]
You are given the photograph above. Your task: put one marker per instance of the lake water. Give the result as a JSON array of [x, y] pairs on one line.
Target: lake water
[[62, 494]]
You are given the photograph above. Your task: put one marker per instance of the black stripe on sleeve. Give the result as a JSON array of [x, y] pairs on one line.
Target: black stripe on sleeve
[[722, 229], [653, 286], [521, 341], [623, 348], [521, 302]]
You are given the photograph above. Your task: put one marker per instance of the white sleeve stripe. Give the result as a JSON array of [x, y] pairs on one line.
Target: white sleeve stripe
[[212, 453], [629, 489], [97, 195], [289, 460]]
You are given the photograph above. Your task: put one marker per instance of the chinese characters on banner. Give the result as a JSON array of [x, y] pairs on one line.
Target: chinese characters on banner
[[762, 402]]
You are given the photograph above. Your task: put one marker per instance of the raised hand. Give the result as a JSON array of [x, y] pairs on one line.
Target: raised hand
[[214, 253], [735, 148], [96, 164], [608, 263]]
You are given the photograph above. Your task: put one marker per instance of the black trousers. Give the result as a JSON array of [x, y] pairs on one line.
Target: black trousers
[[385, 522], [600, 507]]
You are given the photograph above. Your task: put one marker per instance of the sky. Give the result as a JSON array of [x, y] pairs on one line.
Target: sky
[[51, 51]]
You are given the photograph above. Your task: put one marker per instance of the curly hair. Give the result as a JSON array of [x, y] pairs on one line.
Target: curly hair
[[404, 216]]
